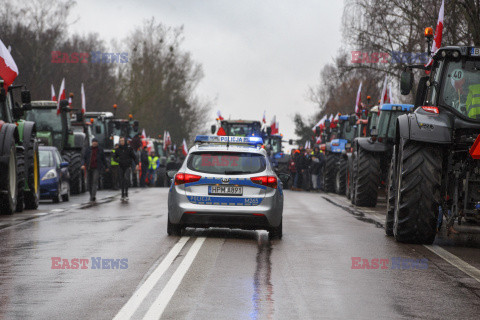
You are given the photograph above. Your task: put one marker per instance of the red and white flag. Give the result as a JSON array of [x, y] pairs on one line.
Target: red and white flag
[[219, 116], [319, 140], [70, 101], [84, 103], [273, 124], [264, 119], [336, 118], [62, 96], [358, 101], [144, 135], [167, 141], [437, 40], [318, 124], [8, 68], [277, 128], [54, 96], [184, 148], [385, 98]]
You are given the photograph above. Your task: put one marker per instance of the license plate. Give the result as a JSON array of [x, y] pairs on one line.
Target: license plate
[[225, 190], [475, 52]]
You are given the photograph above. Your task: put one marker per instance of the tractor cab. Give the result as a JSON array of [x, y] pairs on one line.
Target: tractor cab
[[54, 129]]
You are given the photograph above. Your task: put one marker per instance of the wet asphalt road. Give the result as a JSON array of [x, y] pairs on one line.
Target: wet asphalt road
[[227, 274]]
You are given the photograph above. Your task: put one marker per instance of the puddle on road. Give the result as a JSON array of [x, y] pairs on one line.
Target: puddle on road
[[357, 214], [262, 299]]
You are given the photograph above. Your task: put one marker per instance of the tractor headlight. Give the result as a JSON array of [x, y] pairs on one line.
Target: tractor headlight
[[50, 175]]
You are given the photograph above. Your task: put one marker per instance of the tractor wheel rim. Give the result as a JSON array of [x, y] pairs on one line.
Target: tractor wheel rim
[[12, 174]]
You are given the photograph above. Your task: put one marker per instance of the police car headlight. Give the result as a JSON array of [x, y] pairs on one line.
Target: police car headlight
[[50, 175]]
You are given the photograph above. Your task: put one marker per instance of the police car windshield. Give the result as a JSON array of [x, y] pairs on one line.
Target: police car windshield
[[226, 162], [461, 87]]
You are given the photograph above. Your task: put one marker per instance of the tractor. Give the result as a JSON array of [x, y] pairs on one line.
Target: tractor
[[435, 164], [363, 126], [274, 147], [19, 166], [372, 155], [334, 171], [108, 130], [55, 129]]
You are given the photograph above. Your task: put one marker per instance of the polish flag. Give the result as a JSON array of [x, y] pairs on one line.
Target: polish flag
[[70, 100], [336, 118], [62, 96], [8, 68], [144, 135], [307, 144], [184, 148], [273, 125], [437, 40], [167, 141], [219, 116], [84, 103], [54, 96], [358, 101], [385, 98], [264, 120]]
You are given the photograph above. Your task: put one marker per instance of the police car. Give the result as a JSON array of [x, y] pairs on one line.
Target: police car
[[226, 182]]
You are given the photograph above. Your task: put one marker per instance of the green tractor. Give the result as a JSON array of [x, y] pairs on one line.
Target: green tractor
[[56, 130], [19, 186]]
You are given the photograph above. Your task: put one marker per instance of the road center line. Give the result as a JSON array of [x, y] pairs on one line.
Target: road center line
[[455, 261], [156, 309], [137, 298]]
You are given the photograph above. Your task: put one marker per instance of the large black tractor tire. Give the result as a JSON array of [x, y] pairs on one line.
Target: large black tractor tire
[[341, 176], [20, 179], [367, 179], [74, 168], [329, 172], [391, 187], [418, 192], [8, 198], [32, 196]]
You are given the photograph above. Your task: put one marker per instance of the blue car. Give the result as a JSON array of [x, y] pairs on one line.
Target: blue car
[[54, 176]]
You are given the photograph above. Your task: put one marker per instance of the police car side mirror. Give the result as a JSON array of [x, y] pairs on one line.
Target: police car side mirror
[[171, 173]]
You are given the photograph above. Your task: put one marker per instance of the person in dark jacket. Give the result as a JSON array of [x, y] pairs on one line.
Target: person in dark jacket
[[145, 163], [94, 161], [125, 156]]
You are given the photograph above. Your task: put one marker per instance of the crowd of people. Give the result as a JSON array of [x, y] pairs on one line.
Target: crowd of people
[[306, 168]]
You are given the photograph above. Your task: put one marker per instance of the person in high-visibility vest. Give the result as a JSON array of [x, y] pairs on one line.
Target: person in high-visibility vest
[[153, 164], [473, 101], [114, 169]]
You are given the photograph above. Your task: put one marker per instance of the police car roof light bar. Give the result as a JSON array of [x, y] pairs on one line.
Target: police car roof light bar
[[229, 140]]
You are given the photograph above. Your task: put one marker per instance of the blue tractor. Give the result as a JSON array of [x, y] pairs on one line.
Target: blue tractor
[[372, 155], [334, 171]]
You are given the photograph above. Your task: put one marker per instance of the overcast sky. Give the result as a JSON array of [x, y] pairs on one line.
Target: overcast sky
[[256, 54]]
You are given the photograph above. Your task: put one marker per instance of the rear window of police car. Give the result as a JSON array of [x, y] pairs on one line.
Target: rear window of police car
[[227, 162]]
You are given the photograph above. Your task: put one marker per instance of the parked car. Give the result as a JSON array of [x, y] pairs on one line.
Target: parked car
[[54, 175]]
